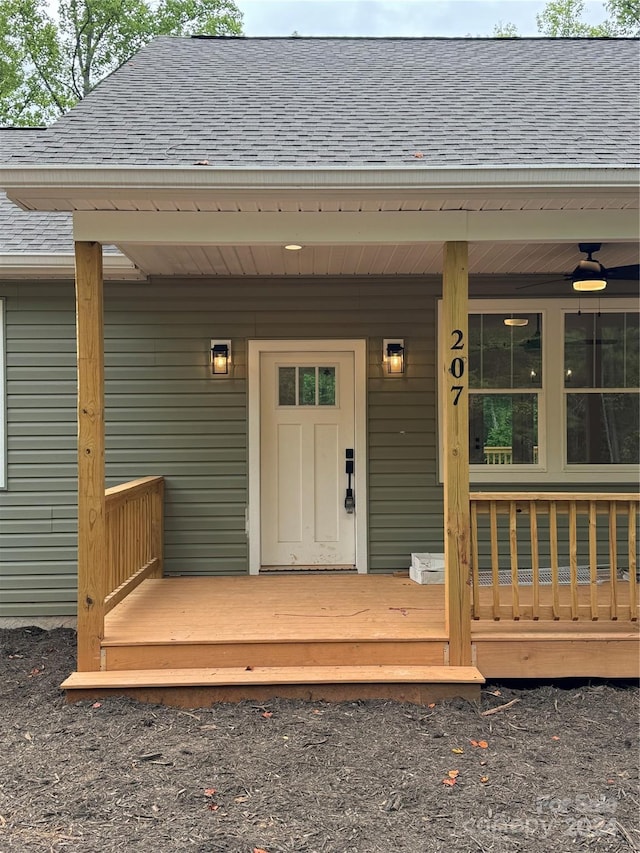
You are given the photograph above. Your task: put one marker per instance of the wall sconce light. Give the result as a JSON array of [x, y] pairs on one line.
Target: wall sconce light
[[220, 358], [393, 356], [516, 321]]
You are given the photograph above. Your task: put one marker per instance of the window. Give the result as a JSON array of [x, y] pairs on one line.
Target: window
[[555, 398], [3, 403], [306, 386], [601, 357]]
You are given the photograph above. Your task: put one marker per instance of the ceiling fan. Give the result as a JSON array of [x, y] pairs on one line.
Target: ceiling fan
[[591, 275]]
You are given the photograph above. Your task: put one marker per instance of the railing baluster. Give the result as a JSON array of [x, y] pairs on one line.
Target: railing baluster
[[475, 575], [535, 559], [573, 559], [593, 560], [553, 547], [513, 553], [134, 535], [633, 562], [495, 561], [560, 598], [613, 558]]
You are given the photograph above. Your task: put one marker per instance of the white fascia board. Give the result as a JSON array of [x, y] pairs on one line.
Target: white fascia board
[[41, 182], [44, 265], [352, 228]]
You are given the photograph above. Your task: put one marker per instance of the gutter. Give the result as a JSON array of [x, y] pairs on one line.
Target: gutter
[[414, 177], [62, 266]]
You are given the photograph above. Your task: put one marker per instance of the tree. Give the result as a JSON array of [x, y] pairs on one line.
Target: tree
[[563, 18], [48, 63]]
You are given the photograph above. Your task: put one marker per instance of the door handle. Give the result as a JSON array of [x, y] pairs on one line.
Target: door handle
[[349, 501]]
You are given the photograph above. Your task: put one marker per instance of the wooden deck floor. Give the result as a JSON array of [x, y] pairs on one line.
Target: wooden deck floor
[[272, 608]]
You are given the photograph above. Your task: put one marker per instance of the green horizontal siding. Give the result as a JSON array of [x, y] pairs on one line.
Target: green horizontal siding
[[165, 415]]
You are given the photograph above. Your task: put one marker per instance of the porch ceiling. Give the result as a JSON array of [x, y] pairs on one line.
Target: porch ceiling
[[361, 259]]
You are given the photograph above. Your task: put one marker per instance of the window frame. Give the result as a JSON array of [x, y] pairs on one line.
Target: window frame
[[552, 466]]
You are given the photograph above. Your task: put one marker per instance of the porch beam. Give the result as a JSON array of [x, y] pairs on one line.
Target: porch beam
[[455, 404], [204, 228], [92, 551]]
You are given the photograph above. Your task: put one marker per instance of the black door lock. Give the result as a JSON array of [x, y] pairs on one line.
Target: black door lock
[[349, 501]]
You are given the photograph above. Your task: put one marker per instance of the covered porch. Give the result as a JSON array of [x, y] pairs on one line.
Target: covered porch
[[536, 583]]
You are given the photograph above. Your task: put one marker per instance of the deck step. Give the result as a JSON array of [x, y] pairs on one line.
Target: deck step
[[274, 675]]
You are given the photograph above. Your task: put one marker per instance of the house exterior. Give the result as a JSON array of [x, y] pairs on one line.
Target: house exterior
[[433, 188]]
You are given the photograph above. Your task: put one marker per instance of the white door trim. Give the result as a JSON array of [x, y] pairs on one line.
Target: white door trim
[[359, 349]]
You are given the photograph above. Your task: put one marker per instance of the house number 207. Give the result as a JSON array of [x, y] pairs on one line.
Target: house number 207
[[456, 368]]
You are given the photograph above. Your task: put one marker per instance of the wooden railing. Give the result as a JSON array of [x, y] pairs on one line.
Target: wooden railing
[[134, 536], [498, 455], [554, 555]]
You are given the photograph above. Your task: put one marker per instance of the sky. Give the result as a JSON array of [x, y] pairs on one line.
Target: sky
[[395, 17]]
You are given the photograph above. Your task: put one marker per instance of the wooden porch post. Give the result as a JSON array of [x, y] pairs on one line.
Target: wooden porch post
[[92, 551], [455, 350]]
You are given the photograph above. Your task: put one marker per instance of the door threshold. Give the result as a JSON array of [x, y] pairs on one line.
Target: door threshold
[[307, 570]]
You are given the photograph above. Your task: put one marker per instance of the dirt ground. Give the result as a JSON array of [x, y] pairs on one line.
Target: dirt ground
[[557, 770]]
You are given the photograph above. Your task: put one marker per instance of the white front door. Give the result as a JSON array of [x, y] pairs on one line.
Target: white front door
[[307, 427]]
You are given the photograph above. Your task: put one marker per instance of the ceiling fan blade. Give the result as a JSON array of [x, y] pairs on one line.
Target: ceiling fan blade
[[541, 283], [630, 272]]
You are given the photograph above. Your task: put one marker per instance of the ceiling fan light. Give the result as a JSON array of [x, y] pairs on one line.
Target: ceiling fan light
[[516, 321], [587, 285]]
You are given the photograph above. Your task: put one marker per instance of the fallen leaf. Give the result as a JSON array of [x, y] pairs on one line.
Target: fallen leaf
[[457, 751], [484, 779], [259, 850], [35, 671], [267, 714], [213, 807], [201, 163], [449, 782], [240, 799], [97, 705], [555, 737], [453, 774], [418, 155], [248, 669], [28, 736], [431, 705], [209, 792], [481, 743]]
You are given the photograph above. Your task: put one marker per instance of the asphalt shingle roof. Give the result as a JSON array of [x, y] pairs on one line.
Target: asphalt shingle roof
[[300, 102], [23, 232]]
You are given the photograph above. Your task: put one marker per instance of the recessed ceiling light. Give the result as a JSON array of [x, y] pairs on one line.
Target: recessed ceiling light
[[293, 247]]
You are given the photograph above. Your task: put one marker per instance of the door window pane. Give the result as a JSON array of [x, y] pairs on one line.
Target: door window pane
[[307, 386], [286, 386], [326, 386], [603, 429], [503, 429]]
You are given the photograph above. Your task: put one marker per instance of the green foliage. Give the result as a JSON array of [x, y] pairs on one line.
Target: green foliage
[[48, 63], [505, 31], [563, 19]]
